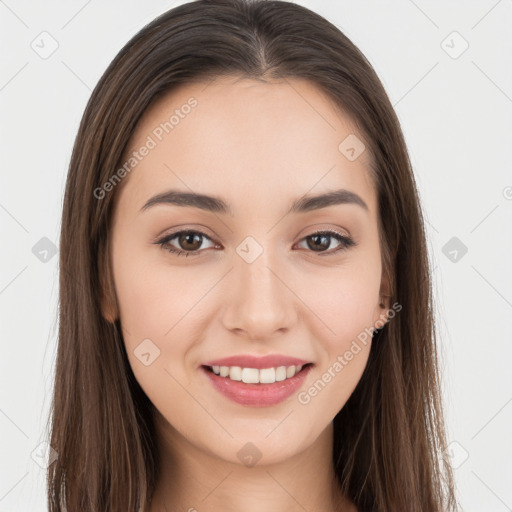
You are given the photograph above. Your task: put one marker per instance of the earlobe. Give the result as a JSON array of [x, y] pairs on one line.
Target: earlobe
[[108, 302], [381, 312], [384, 301], [109, 309], [385, 292]]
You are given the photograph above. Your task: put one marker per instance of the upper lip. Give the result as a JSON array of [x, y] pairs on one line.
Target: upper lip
[[250, 361]]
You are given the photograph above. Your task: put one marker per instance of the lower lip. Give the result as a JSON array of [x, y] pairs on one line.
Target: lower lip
[[257, 395]]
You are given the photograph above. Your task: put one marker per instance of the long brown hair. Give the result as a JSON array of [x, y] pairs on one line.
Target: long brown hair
[[389, 441]]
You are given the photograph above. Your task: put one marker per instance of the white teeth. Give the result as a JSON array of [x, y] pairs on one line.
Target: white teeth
[[257, 376], [280, 373], [235, 372], [267, 375], [250, 375]]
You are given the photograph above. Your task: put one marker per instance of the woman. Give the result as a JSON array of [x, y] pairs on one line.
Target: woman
[[288, 360]]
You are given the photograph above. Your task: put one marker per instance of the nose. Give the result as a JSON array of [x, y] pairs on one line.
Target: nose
[[260, 302]]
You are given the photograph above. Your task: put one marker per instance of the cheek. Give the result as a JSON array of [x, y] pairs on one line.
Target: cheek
[[152, 295], [342, 303], [344, 309], [140, 296], [328, 390], [153, 313], [344, 337], [163, 304]]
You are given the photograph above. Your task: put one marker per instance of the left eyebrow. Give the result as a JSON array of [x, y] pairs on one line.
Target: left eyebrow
[[217, 205], [335, 197]]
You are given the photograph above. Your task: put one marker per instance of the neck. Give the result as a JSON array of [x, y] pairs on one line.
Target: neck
[[194, 479]]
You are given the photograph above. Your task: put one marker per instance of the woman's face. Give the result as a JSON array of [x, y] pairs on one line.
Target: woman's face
[[252, 278]]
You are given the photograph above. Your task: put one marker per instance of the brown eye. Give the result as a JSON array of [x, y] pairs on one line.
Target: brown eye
[[189, 242], [318, 242], [321, 241]]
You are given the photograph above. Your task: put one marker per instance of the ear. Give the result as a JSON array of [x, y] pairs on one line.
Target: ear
[[108, 299], [385, 293], [383, 301]]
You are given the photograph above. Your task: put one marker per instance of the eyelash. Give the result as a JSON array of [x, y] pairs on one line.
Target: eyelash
[[345, 242]]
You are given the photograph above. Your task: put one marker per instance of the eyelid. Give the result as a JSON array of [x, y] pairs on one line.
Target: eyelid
[[195, 228], [345, 241], [164, 241], [322, 228]]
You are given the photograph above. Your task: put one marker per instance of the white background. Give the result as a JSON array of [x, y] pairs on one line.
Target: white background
[[456, 114]]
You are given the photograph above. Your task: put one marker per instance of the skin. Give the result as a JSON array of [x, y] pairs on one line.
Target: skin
[[258, 146]]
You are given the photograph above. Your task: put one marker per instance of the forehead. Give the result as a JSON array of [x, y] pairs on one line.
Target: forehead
[[248, 140]]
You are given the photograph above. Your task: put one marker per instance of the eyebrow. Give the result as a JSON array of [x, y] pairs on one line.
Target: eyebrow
[[217, 205]]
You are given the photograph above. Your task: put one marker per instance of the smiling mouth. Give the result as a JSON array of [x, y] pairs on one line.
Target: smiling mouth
[[257, 376]]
